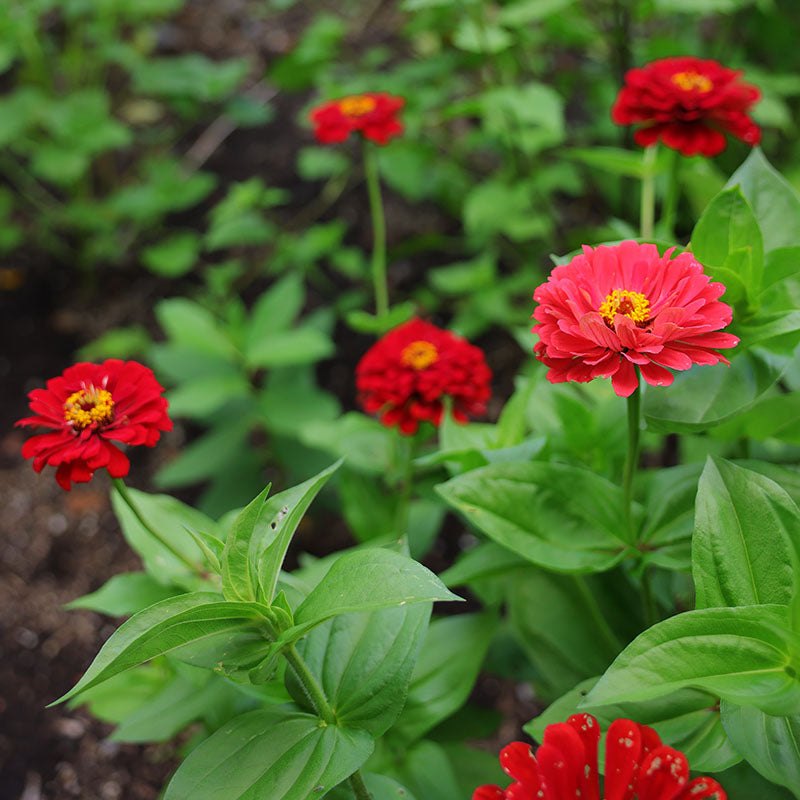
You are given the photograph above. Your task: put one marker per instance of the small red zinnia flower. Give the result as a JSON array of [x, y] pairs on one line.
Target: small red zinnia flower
[[88, 406], [612, 309], [406, 374], [374, 114], [638, 766], [687, 103]]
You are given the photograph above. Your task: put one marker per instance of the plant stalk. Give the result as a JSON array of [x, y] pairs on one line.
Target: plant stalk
[[122, 491], [378, 229], [648, 207], [359, 788], [631, 462]]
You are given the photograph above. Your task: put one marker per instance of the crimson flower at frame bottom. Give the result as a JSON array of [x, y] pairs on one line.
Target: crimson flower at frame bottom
[[373, 115], [637, 767], [88, 407], [406, 375], [615, 308], [688, 104]]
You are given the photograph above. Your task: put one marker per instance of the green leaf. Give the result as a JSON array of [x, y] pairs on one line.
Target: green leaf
[[563, 624], [530, 508], [370, 511], [618, 161], [276, 309], [369, 579], [779, 264], [174, 256], [452, 654], [189, 324], [745, 655], [483, 39], [364, 442], [774, 202], [237, 571], [304, 345], [771, 418], [202, 397], [706, 396], [364, 322], [742, 551], [124, 594], [525, 12], [485, 560], [726, 227], [168, 516], [280, 753], [190, 75], [770, 743], [427, 771], [275, 527], [688, 720], [363, 663], [316, 163], [291, 400], [165, 628], [380, 787]]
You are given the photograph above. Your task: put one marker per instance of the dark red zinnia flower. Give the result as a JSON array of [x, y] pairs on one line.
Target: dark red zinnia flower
[[373, 114], [406, 375], [612, 309], [687, 103], [88, 406], [638, 766]]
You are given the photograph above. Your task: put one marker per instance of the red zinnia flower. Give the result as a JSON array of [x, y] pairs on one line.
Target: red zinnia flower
[[638, 766], [687, 103], [86, 407], [615, 307], [404, 376], [374, 114]]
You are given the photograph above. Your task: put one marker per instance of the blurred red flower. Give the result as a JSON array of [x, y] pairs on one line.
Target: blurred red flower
[[612, 309], [405, 376], [638, 766], [88, 406], [687, 103], [373, 114]]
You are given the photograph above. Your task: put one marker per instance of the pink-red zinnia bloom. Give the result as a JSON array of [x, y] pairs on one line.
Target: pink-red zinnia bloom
[[406, 375], [638, 766], [373, 115], [88, 407], [613, 309], [688, 104]]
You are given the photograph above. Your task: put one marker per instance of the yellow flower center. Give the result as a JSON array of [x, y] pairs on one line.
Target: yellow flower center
[[630, 304], [89, 406], [692, 81], [357, 105], [419, 355]]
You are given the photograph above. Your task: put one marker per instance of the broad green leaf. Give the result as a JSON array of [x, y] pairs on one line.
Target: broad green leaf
[[618, 161], [315, 163], [705, 396], [363, 662], [558, 516], [168, 517], [779, 331], [174, 256], [189, 324], [366, 580], [687, 720], [779, 264], [427, 771], [525, 12], [451, 656], [203, 397], [485, 560], [164, 628], [180, 702], [276, 309], [380, 787], [745, 655], [280, 753], [742, 550], [772, 418], [237, 571], [275, 527], [563, 623], [727, 226], [124, 594], [364, 442], [485, 39], [771, 744], [774, 202], [370, 511], [291, 400], [190, 75], [283, 348]]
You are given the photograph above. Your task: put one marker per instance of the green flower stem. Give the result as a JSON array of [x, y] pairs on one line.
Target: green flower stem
[[359, 787], [323, 708], [648, 207], [631, 461], [405, 451], [378, 229], [122, 491], [672, 196], [312, 689]]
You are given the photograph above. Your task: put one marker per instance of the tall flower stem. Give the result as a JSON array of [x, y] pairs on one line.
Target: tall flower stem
[[405, 450], [648, 206], [320, 704], [631, 462], [122, 490], [378, 229]]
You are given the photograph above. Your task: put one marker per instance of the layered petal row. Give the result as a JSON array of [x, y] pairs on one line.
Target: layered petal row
[[374, 115]]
